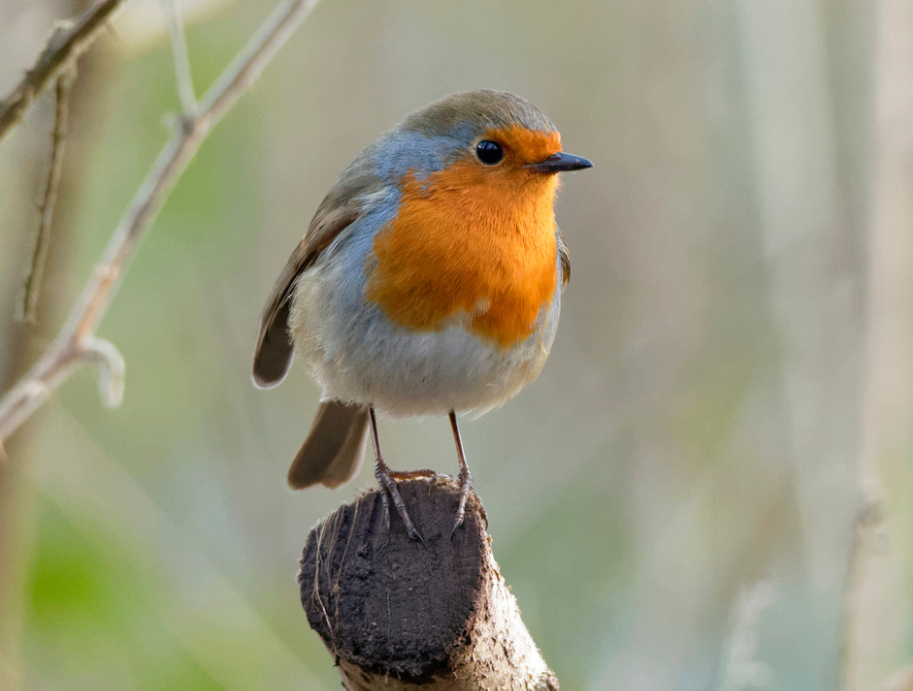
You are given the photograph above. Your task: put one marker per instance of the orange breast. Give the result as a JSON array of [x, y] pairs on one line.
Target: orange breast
[[469, 243]]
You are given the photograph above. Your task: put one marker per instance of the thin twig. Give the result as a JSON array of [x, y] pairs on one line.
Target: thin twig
[[32, 287], [66, 43], [71, 348], [181, 61], [877, 592], [741, 669], [870, 541]]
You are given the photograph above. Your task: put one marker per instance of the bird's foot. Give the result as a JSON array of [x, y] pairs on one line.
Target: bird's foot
[[387, 480], [465, 488]]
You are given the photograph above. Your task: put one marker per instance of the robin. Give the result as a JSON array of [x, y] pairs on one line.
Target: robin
[[428, 282]]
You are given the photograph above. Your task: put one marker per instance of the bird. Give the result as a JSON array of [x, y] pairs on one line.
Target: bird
[[428, 282]]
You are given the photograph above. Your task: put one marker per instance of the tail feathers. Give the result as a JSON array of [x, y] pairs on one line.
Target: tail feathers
[[334, 449]]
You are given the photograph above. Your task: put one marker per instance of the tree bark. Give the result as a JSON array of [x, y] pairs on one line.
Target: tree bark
[[399, 614]]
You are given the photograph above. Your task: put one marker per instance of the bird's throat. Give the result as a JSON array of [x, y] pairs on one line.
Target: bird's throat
[[469, 244]]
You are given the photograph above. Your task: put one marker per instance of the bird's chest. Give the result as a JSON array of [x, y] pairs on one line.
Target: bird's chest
[[484, 256]]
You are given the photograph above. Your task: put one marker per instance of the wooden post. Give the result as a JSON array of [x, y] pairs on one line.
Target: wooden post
[[397, 614]]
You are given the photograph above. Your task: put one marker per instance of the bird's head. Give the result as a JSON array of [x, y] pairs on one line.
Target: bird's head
[[488, 138]]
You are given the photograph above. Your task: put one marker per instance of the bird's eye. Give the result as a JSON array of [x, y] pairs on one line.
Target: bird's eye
[[489, 152]]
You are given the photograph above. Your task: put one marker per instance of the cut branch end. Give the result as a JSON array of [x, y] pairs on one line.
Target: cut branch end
[[399, 614]]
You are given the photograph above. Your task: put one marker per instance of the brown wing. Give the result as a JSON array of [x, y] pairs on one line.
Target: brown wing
[[341, 207], [565, 257]]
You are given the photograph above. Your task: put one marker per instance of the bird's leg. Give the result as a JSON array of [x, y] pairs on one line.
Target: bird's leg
[[465, 476], [386, 478]]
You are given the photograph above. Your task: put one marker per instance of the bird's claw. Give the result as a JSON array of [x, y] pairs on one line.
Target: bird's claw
[[465, 488], [386, 478]]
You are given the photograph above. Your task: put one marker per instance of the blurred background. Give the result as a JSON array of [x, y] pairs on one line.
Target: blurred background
[[672, 502]]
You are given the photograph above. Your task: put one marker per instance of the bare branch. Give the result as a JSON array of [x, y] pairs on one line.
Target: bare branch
[[740, 668], [72, 346], [66, 43], [32, 287], [878, 612], [181, 61], [111, 370]]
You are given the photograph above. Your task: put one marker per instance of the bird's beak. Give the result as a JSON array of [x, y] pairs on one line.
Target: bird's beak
[[557, 163]]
